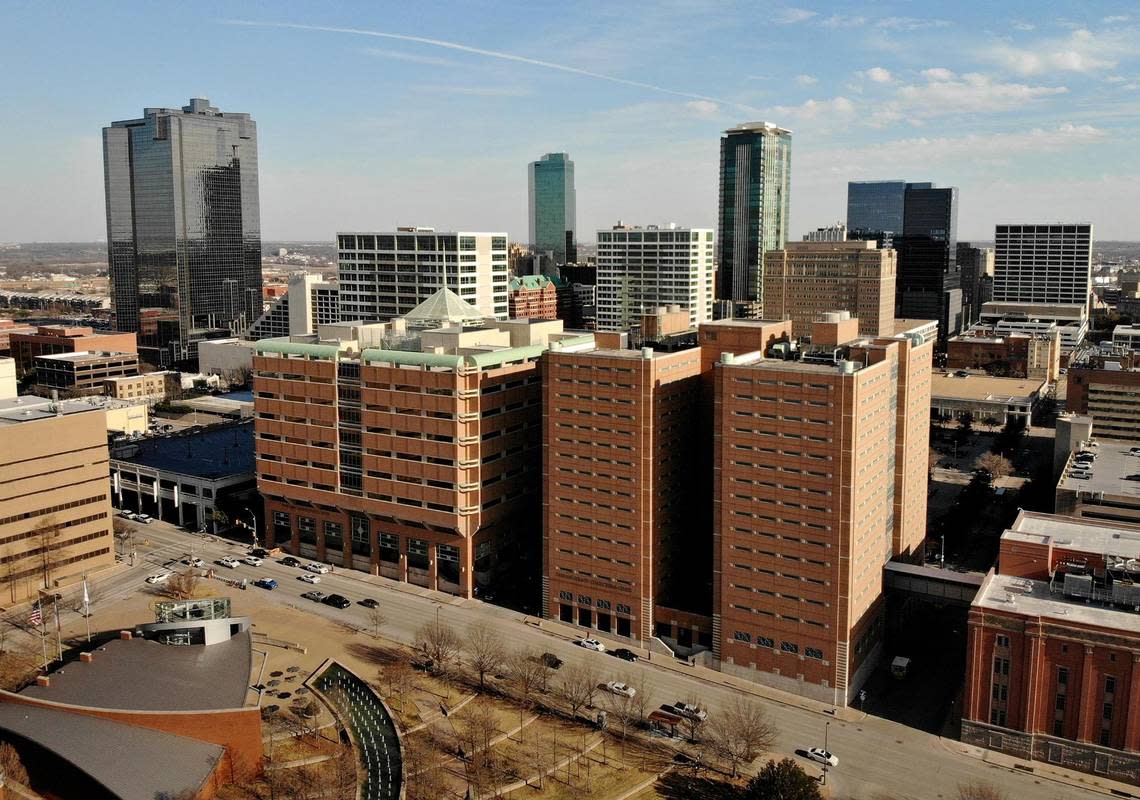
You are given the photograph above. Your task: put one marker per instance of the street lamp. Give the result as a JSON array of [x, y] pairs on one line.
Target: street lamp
[[942, 553], [252, 524], [826, 753]]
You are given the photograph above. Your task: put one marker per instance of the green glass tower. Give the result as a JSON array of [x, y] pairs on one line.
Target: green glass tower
[[553, 206]]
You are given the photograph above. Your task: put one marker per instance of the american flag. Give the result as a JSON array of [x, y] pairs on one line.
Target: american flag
[[36, 617]]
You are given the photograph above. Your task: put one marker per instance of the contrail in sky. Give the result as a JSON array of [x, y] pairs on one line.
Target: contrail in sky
[[479, 51]]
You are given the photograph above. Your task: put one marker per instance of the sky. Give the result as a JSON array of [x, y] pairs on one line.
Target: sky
[[377, 114]]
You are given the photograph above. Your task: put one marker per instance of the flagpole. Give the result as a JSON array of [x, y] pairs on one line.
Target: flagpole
[[87, 608], [43, 633], [58, 639]]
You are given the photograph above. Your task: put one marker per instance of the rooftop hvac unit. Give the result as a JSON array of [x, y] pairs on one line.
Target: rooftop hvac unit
[[1078, 586], [1125, 594]]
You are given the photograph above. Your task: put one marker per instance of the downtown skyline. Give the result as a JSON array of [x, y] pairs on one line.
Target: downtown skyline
[[372, 118]]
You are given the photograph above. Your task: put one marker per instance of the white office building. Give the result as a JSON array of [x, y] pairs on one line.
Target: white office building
[[308, 301], [640, 269], [383, 275]]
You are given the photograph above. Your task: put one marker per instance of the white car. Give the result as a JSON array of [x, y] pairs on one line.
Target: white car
[[822, 756], [691, 711], [158, 577], [253, 561], [623, 689], [143, 518], [229, 561], [195, 562], [311, 578], [319, 569], [127, 514], [593, 644]]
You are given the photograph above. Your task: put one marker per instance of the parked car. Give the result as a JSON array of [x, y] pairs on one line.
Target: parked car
[[316, 597], [253, 561], [822, 756], [158, 577], [368, 602], [592, 644], [551, 661], [310, 578], [625, 654], [259, 552], [193, 561], [623, 689], [126, 514], [691, 711], [265, 583], [289, 561], [229, 561], [320, 569], [337, 601], [145, 519]]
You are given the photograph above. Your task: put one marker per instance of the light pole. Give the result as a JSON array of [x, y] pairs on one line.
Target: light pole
[[253, 523], [942, 553], [826, 754]]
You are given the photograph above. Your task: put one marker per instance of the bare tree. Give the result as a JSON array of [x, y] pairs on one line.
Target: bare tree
[[182, 585], [578, 686], [694, 724], [996, 465], [537, 755], [526, 672], [978, 790], [400, 679], [439, 644], [376, 621], [46, 537], [741, 733], [424, 776], [627, 712], [476, 728], [485, 647], [11, 767]]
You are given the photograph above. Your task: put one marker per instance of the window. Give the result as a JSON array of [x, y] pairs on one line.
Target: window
[[765, 641], [418, 553], [742, 636], [307, 528], [812, 652], [1062, 676], [1002, 641], [389, 546], [789, 647], [360, 543], [334, 536]]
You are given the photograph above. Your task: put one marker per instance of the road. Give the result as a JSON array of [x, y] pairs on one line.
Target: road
[[876, 755]]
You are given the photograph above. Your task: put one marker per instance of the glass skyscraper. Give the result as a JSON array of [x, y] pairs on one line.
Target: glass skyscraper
[[755, 174], [183, 227], [553, 206]]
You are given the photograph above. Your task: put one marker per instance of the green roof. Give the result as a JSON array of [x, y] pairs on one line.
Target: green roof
[[411, 358], [496, 358], [287, 348], [528, 282]]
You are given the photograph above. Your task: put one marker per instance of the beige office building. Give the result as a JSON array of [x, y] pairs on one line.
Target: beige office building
[[806, 279]]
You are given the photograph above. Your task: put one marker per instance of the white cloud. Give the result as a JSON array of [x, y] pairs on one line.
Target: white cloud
[[790, 16], [910, 23], [840, 21], [1081, 51], [878, 75], [947, 93], [398, 55], [1116, 18], [836, 107], [806, 80], [478, 91], [1018, 25], [703, 108]]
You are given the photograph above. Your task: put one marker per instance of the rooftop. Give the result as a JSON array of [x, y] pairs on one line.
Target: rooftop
[[87, 355], [983, 387], [211, 453], [29, 408], [143, 675], [1109, 473], [444, 306], [1073, 533], [1033, 598]]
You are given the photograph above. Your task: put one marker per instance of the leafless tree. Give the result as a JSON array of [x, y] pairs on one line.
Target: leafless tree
[[625, 712], [485, 647], [439, 643], [181, 585], [400, 679], [978, 790], [996, 465], [526, 672], [11, 767], [741, 733], [424, 777], [376, 620], [694, 724], [538, 756], [578, 686], [476, 728], [46, 537]]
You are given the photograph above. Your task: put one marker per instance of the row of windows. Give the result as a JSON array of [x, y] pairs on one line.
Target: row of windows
[[785, 646], [46, 510]]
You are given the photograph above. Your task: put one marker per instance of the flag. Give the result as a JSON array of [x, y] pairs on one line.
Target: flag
[[36, 617], [86, 598]]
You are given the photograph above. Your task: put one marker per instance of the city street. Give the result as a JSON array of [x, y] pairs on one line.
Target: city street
[[876, 756]]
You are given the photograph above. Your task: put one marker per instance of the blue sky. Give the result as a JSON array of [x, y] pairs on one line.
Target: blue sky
[[1031, 110]]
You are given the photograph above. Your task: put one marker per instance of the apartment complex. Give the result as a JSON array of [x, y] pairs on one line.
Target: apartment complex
[[82, 372], [385, 275], [532, 297], [1107, 388], [1052, 667], [805, 279], [1043, 264], [417, 463], [307, 301], [642, 268], [159, 385], [46, 340], [55, 506]]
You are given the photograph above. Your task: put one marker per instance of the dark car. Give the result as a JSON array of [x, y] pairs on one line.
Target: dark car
[[625, 654], [266, 583], [550, 660], [289, 561], [259, 552], [368, 602], [337, 601]]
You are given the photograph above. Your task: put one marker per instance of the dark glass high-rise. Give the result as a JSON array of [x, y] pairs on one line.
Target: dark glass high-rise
[[183, 227]]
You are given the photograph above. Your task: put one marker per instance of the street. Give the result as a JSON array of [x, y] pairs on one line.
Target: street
[[875, 755]]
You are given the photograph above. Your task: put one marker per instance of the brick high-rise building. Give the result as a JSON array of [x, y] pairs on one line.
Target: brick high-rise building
[[805, 279], [414, 463], [1107, 388], [47, 340], [532, 297]]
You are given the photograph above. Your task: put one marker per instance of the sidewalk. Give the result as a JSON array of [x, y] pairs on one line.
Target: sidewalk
[[1043, 770]]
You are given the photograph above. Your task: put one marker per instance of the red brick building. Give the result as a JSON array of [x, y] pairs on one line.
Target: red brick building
[[532, 297], [1053, 654], [1107, 388], [53, 339]]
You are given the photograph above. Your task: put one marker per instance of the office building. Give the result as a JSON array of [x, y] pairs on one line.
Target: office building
[[642, 268], [984, 398], [1107, 388], [929, 283], [1126, 338], [26, 346], [754, 193], [804, 279], [876, 210], [55, 519], [1106, 489], [183, 227], [408, 449], [153, 386], [1070, 321], [532, 297], [832, 233], [229, 359], [81, 373], [976, 265], [1010, 355], [385, 275], [1051, 661], [307, 301], [1047, 264], [553, 207]]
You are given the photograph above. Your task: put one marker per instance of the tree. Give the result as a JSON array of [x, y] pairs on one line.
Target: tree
[[966, 421], [401, 680], [485, 647], [627, 712], [978, 790], [741, 733], [11, 767], [182, 585], [782, 780], [578, 686], [997, 466], [376, 620], [476, 728], [526, 673], [46, 537], [424, 776], [439, 644], [694, 724]]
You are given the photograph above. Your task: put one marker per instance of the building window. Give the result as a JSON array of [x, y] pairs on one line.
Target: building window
[[334, 536], [1062, 676], [1002, 641], [307, 530], [765, 641], [282, 527], [742, 636], [789, 647], [565, 595], [360, 544], [418, 554], [389, 547], [812, 652], [622, 608], [447, 562]]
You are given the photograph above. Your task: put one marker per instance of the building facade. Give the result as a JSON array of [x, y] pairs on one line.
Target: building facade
[[876, 209], [640, 269], [929, 283], [44, 340], [805, 279], [149, 386], [385, 275], [754, 194], [976, 265], [1043, 264], [832, 233], [183, 226], [553, 206], [532, 297], [82, 372], [308, 301], [55, 504], [1107, 388], [1012, 355]]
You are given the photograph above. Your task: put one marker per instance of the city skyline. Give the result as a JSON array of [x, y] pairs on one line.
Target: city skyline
[[1020, 114]]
